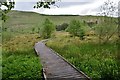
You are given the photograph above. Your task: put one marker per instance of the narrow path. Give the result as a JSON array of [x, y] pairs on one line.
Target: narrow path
[[55, 67]]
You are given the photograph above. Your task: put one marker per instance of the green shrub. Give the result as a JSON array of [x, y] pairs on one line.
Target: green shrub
[[21, 65], [61, 27], [47, 29], [81, 34], [109, 70], [75, 28]]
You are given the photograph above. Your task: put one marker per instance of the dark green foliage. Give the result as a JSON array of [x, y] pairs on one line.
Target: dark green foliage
[[109, 70], [45, 3], [61, 27], [91, 24], [81, 34], [9, 6], [47, 29]]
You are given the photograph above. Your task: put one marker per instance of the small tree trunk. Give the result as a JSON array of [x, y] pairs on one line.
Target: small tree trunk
[[118, 41]]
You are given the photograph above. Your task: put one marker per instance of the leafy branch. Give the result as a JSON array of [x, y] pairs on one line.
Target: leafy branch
[[9, 5]]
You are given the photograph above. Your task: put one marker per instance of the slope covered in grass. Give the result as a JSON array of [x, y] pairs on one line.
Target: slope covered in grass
[[24, 22]]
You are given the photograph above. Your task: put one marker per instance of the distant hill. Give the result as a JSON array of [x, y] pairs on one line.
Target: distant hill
[[20, 20], [21, 17]]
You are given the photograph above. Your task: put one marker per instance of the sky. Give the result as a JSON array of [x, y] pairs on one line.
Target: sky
[[65, 7]]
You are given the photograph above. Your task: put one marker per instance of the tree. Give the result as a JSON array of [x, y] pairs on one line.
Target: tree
[[75, 29], [45, 4], [81, 33], [61, 27], [47, 29], [9, 5], [107, 26]]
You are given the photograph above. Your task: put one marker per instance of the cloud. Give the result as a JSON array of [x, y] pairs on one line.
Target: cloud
[[55, 0], [26, 0], [24, 6], [72, 7], [89, 8], [75, 9], [77, 0]]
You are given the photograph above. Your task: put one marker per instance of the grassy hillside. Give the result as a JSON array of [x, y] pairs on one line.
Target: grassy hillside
[[22, 22]]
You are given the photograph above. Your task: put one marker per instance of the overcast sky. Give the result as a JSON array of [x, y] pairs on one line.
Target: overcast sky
[[70, 7]]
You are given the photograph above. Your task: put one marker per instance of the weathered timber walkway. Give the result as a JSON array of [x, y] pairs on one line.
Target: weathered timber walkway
[[56, 67]]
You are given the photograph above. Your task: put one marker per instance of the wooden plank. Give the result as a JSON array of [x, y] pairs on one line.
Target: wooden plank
[[56, 66]]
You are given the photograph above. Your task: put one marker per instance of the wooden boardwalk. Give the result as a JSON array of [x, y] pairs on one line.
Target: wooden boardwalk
[[55, 67]]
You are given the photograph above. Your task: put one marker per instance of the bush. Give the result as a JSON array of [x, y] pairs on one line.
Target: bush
[[81, 34], [61, 27], [109, 70], [47, 29], [75, 28], [20, 66]]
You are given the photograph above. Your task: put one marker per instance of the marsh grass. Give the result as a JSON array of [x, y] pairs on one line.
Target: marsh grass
[[96, 60], [19, 60], [21, 66]]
